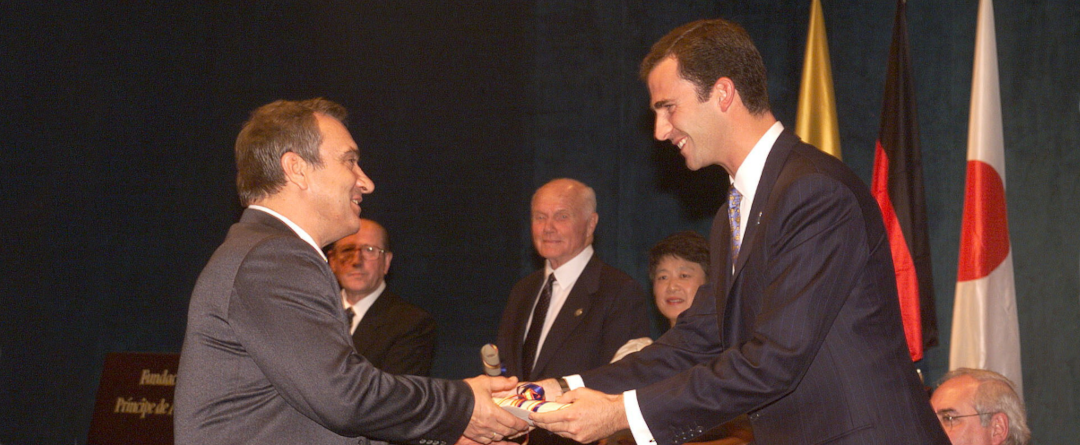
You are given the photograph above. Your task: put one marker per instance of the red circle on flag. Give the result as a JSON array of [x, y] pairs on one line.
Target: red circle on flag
[[984, 235]]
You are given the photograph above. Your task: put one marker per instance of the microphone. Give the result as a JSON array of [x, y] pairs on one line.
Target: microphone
[[489, 354]]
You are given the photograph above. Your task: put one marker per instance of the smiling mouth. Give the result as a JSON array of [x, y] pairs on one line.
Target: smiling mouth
[[681, 144]]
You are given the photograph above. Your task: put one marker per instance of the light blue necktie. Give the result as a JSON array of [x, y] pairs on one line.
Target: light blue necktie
[[734, 199]]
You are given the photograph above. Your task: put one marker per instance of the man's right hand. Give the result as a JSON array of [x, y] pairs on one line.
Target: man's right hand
[[490, 423], [552, 390]]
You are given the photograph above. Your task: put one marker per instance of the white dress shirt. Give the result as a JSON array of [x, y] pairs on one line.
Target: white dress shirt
[[565, 277], [361, 307]]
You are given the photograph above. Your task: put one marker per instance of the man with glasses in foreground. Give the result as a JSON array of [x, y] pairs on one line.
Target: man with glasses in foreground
[[980, 407], [396, 336]]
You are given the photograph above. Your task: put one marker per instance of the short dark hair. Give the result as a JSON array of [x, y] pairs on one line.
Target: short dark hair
[[273, 130], [686, 245], [707, 50]]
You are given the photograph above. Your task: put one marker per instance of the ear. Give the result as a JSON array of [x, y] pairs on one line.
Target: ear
[[386, 267], [999, 428], [296, 169], [723, 91], [593, 220]]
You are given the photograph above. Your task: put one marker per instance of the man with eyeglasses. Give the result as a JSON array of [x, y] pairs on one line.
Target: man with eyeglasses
[[396, 336], [980, 407]]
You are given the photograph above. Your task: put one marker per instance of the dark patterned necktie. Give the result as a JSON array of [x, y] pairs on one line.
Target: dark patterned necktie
[[532, 339], [349, 315]]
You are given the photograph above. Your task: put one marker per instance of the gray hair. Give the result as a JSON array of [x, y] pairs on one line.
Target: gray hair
[[997, 394]]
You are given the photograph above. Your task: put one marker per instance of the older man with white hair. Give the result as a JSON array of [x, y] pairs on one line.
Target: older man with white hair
[[980, 407]]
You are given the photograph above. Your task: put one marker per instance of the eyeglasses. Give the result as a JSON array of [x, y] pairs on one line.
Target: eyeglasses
[[951, 420], [367, 252]]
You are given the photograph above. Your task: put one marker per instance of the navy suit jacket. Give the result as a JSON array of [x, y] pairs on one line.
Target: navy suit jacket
[[396, 336], [805, 335], [267, 357]]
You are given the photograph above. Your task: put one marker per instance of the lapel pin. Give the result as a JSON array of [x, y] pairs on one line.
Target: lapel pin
[[578, 312]]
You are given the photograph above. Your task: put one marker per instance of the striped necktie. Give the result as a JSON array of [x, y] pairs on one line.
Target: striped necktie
[[532, 339], [349, 315]]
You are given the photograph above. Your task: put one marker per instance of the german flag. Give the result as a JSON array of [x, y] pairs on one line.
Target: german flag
[[898, 188]]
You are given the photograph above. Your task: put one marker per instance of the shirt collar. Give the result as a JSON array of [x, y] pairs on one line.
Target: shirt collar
[[361, 307], [749, 174], [299, 232], [567, 274]]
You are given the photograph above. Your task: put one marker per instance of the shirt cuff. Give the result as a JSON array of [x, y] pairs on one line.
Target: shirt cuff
[[574, 381], [638, 428]]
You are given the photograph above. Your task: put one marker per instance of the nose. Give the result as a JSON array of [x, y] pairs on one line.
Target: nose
[[365, 183], [549, 226], [662, 130], [354, 260]]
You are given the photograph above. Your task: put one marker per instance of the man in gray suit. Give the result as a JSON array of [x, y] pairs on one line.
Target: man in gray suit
[[799, 326], [267, 356]]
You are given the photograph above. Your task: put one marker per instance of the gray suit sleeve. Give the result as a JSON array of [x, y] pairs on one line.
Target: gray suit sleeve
[[290, 320]]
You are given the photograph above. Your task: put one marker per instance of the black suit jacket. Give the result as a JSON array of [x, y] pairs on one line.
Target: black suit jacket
[[396, 336], [604, 310], [805, 335], [267, 357]]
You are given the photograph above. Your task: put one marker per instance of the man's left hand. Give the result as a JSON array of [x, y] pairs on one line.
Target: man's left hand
[[592, 416]]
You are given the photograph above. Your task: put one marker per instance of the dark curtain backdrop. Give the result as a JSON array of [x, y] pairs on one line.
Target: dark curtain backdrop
[[118, 123]]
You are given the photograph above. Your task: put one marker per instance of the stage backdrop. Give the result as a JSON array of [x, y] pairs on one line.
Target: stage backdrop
[[118, 123]]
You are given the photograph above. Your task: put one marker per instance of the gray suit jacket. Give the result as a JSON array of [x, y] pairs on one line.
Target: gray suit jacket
[[267, 357], [805, 335]]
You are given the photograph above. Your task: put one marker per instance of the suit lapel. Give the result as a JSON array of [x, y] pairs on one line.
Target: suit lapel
[[572, 313], [773, 165], [726, 278], [720, 256], [367, 332], [524, 308]]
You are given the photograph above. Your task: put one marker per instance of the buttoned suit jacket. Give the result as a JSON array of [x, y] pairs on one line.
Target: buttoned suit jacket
[[267, 357], [804, 335], [604, 310], [396, 336]]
